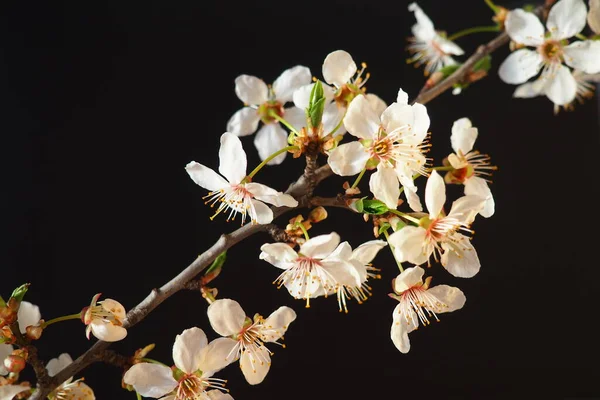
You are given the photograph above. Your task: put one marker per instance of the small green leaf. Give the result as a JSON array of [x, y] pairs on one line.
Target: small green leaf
[[449, 69], [2, 302], [401, 224], [358, 205], [316, 105], [375, 207], [19, 292], [484, 64], [529, 7], [384, 227], [218, 263]]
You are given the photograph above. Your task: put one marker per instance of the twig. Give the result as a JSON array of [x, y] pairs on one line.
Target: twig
[[340, 201], [32, 355]]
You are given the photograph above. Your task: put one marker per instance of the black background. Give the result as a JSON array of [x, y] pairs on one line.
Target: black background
[[104, 103]]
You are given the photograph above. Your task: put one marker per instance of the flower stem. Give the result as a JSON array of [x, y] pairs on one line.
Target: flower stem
[[406, 216], [387, 237], [283, 121], [152, 361], [139, 396], [474, 29], [358, 178], [339, 124], [581, 37], [301, 226], [447, 168], [272, 156], [59, 319], [491, 5]]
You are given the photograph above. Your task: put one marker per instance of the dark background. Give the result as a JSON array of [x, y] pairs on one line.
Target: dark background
[[104, 103]]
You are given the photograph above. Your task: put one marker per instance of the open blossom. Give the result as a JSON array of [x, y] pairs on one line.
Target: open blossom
[[566, 19], [355, 286], [428, 46], [244, 338], [437, 234], [262, 100], [196, 361], [471, 168], [418, 302], [315, 270], [8, 392], [104, 319], [394, 141], [236, 193], [69, 389]]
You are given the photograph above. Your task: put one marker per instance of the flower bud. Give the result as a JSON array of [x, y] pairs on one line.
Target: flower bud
[[143, 352], [34, 332], [317, 214], [7, 316], [14, 363], [6, 335]]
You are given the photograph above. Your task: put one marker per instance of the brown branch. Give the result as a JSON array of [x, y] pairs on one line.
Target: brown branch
[[32, 355], [340, 201]]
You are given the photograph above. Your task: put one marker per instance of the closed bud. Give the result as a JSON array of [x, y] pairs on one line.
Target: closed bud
[[14, 363], [34, 332], [6, 335], [143, 352], [317, 214], [7, 315]]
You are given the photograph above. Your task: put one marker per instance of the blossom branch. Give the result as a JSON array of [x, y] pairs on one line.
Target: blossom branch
[[32, 355]]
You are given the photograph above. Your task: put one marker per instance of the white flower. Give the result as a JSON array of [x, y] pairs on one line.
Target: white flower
[[428, 46], [565, 20], [419, 303], [593, 17], [471, 168], [237, 193], [8, 392], [196, 361], [360, 258], [584, 90], [5, 351], [244, 338], [395, 141], [104, 319], [69, 389], [437, 234], [316, 270], [260, 101]]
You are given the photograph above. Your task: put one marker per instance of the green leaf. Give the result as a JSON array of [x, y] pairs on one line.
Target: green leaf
[[384, 227], [19, 292], [218, 263], [529, 7], [401, 224], [375, 207], [2, 302], [316, 104], [484, 64], [358, 205], [449, 69]]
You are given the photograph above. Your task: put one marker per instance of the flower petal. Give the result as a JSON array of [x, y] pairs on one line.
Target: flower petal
[[5, 350], [566, 19], [366, 252], [408, 278], [560, 86], [376, 103], [408, 244], [79, 391], [460, 257], [251, 90], [279, 254], [217, 355], [584, 56], [7, 392], [226, 317], [338, 68], [28, 315], [320, 246], [187, 348], [342, 271], [115, 308], [244, 122], [332, 117], [262, 212], [401, 328], [463, 135], [255, 365], [465, 208], [342, 251], [218, 395], [448, 46], [361, 120], [271, 196], [232, 158], [150, 380], [277, 323], [205, 177], [453, 298], [423, 29], [290, 80], [56, 365], [105, 330], [269, 139], [402, 97], [296, 117], [385, 186], [530, 89], [524, 27], [302, 95], [435, 194], [477, 186], [348, 159], [519, 66]]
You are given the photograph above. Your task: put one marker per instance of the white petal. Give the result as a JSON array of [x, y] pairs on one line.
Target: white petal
[[218, 395], [263, 215], [56, 365], [560, 86], [584, 56], [361, 120], [277, 323], [255, 365], [150, 380], [269, 139], [332, 116], [342, 271], [296, 117], [187, 348], [302, 95], [343, 251], [435, 194], [414, 118], [5, 350], [448, 46], [452, 297], [402, 97], [226, 317], [385, 186], [414, 201], [251, 90], [320, 246], [423, 29], [106, 331], [460, 257], [376, 103], [593, 17], [279, 254], [338, 68], [115, 308], [290, 80], [401, 328], [232, 158], [79, 391], [271, 196], [366, 252], [217, 355], [409, 244], [28, 315], [524, 27], [169, 397], [463, 135], [566, 18], [7, 392], [478, 187], [244, 122], [408, 278], [205, 177], [465, 208], [410, 189], [530, 89], [519, 66], [348, 159]]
